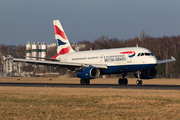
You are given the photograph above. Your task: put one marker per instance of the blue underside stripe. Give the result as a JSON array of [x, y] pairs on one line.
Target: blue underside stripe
[[126, 68]]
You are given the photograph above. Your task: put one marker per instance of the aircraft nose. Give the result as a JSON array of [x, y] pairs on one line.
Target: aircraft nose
[[152, 60]]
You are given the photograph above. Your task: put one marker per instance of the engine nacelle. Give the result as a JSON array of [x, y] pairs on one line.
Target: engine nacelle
[[147, 74], [88, 73]]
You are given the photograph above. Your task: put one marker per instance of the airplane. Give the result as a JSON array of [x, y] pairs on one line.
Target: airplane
[[93, 63]]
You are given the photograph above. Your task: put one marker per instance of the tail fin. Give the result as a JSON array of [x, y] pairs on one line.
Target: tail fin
[[63, 45]]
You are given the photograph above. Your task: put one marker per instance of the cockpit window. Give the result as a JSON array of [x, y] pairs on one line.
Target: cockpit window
[[147, 54], [152, 54], [139, 54]]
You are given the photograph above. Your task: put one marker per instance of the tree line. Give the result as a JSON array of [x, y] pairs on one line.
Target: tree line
[[162, 47]]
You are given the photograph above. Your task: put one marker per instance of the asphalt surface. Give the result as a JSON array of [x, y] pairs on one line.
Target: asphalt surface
[[116, 86]]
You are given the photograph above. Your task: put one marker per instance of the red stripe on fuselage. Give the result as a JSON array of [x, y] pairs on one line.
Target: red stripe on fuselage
[[57, 31], [128, 52], [64, 50]]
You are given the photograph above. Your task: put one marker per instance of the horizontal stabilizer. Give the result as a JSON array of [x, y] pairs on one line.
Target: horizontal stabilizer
[[4, 58]]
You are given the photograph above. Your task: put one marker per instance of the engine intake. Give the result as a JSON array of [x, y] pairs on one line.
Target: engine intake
[[147, 74], [88, 73]]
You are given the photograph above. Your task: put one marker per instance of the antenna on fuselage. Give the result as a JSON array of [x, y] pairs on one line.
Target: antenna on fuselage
[[136, 44]]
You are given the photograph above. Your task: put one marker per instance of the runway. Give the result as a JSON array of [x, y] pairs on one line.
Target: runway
[[115, 86]]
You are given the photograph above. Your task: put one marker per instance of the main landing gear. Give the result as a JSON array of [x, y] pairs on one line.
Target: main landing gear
[[85, 81], [123, 80], [139, 82]]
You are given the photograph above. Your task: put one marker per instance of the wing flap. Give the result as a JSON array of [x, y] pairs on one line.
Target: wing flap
[[43, 58]]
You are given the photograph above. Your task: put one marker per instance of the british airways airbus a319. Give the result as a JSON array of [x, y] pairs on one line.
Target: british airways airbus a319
[[93, 63]]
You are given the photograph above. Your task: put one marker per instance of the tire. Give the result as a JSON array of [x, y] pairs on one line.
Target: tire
[[120, 81], [82, 81], [87, 81], [125, 81], [139, 82]]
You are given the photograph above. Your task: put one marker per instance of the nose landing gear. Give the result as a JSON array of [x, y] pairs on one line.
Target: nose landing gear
[[139, 82]]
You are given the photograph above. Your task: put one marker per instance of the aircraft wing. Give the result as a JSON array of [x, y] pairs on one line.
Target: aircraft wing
[[165, 61], [58, 64]]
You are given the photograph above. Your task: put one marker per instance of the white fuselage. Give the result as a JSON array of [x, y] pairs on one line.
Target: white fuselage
[[111, 57]]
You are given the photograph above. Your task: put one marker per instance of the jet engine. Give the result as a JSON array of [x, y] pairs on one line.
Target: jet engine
[[88, 73], [147, 74]]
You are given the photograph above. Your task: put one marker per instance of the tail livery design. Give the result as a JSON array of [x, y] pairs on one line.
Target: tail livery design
[[63, 45]]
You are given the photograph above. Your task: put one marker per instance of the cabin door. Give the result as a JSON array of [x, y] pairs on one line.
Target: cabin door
[[129, 59]]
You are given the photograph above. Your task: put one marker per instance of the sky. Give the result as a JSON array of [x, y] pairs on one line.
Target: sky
[[32, 20]]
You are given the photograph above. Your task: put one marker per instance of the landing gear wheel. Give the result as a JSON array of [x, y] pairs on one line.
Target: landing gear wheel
[[139, 82], [87, 81], [123, 81], [120, 81], [84, 81]]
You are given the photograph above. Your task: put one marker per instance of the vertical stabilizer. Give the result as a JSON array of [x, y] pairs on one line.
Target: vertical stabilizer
[[63, 45]]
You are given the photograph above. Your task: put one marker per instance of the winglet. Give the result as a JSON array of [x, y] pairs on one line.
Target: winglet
[[173, 58]]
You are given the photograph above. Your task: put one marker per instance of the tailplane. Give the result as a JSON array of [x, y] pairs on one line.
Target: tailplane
[[4, 58], [63, 45]]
